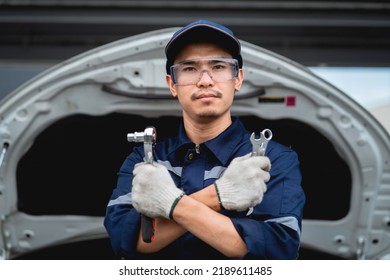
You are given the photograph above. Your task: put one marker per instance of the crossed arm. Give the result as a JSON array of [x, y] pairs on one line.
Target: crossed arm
[[241, 186], [198, 214]]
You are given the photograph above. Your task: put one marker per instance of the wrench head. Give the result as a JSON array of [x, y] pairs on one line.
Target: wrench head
[[259, 145], [256, 144], [253, 138]]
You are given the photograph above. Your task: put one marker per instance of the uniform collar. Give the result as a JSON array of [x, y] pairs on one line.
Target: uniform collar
[[221, 146]]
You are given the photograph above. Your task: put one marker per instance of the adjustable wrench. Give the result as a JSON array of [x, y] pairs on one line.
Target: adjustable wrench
[[148, 137]]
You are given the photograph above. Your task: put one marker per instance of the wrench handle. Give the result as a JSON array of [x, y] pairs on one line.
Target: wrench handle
[[147, 228], [147, 223], [148, 137]]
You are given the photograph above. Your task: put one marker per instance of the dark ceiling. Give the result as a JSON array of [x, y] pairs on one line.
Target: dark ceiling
[[348, 33]]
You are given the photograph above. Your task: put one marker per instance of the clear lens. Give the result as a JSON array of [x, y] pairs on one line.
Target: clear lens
[[189, 72]]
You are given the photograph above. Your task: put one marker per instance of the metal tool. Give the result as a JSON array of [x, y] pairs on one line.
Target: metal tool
[[148, 137], [260, 144]]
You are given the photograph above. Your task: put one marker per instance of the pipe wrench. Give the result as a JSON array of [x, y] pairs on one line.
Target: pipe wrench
[[148, 137]]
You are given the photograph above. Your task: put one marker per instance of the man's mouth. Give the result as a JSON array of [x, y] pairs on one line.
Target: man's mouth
[[206, 95], [201, 96]]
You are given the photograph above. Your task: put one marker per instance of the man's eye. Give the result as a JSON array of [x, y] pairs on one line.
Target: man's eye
[[188, 69], [219, 67]]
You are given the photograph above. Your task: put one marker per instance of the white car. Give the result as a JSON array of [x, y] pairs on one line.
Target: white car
[[63, 138]]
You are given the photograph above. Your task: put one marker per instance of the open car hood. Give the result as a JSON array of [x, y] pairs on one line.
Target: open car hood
[[63, 138]]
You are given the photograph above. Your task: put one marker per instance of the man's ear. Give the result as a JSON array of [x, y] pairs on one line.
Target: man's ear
[[171, 85], [239, 80]]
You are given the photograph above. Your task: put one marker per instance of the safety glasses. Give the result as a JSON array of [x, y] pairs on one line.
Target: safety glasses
[[190, 72]]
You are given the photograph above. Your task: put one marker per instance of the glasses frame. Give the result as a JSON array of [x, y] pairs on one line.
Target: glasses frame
[[233, 61]]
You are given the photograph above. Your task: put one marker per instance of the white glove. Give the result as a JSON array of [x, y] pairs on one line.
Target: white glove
[[154, 193], [242, 185]]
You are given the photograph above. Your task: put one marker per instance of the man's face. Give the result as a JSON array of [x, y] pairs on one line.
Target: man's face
[[205, 98]]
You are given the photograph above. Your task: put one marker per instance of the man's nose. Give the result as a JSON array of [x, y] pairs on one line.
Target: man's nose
[[205, 79]]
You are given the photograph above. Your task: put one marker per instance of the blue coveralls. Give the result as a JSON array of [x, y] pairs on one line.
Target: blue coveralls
[[271, 231]]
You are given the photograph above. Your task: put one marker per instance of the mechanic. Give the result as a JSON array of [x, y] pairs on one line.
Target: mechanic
[[210, 199]]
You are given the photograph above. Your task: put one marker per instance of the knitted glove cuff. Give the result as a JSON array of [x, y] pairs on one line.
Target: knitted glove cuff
[[174, 204], [219, 196]]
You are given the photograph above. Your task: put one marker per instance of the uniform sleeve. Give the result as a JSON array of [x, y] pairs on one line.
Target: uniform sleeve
[[122, 221], [273, 229]]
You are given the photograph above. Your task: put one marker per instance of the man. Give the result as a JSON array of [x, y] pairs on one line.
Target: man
[[209, 198]]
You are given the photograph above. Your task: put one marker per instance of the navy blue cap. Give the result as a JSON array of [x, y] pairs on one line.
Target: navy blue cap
[[203, 31]]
